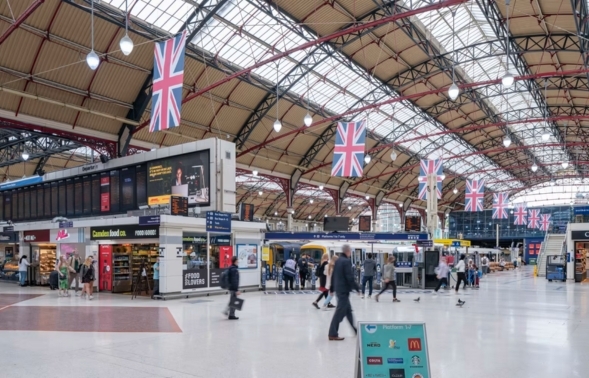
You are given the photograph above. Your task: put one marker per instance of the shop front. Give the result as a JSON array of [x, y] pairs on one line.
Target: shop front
[[42, 252], [124, 252], [579, 252], [9, 255], [202, 266]]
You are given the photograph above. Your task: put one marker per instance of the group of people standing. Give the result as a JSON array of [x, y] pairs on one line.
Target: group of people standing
[[73, 269]]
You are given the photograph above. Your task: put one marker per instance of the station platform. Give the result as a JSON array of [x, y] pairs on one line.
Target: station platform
[[515, 325]]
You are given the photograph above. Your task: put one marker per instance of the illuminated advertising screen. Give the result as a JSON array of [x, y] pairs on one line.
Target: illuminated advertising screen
[[185, 176]]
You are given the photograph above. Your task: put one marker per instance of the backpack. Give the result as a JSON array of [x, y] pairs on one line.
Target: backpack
[[320, 270], [225, 279]]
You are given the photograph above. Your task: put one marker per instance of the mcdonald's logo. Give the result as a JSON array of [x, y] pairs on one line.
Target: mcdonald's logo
[[414, 344]]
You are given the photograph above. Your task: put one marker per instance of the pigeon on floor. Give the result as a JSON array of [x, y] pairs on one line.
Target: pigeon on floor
[[460, 303], [417, 300]]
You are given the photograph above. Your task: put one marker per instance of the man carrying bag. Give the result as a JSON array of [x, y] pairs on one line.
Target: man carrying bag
[[233, 286]]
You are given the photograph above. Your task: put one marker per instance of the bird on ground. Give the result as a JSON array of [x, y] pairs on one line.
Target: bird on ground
[[460, 303], [417, 300]]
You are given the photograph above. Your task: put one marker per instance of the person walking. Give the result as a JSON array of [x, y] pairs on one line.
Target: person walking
[[369, 271], [23, 267], [343, 279], [321, 273], [485, 264], [64, 270], [289, 272], [389, 279], [76, 263], [303, 270], [460, 269], [329, 280], [442, 274], [156, 278], [233, 288], [88, 277]]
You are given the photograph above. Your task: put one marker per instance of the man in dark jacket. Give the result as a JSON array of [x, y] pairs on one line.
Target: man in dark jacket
[[303, 270], [233, 288], [369, 270], [343, 280]]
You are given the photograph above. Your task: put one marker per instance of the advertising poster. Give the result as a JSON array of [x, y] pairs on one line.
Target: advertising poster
[[392, 350], [225, 255], [105, 267], [194, 279], [247, 256], [265, 253], [185, 176], [104, 194]]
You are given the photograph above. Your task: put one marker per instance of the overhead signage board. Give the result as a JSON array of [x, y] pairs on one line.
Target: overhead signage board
[[580, 235], [200, 238], [581, 210], [66, 224], [179, 206], [392, 350], [343, 236], [364, 223], [149, 220], [246, 212], [218, 221], [124, 232], [425, 243], [20, 183], [412, 223]]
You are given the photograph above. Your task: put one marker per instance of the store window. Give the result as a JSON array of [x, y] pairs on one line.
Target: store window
[[202, 267]]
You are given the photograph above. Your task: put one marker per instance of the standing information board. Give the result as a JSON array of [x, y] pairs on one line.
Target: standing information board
[[392, 350]]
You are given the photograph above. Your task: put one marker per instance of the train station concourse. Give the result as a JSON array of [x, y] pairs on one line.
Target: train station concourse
[[262, 188]]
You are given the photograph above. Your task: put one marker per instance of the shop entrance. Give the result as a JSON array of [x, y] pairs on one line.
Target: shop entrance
[[120, 265]]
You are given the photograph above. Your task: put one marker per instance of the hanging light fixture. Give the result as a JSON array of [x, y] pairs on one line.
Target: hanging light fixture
[[349, 207], [507, 141], [311, 200], [534, 167], [275, 213], [565, 164], [255, 173], [508, 79], [367, 198], [308, 120], [453, 91], [367, 159], [320, 187], [545, 135], [455, 191], [260, 193], [126, 42], [92, 58], [443, 176], [25, 155], [277, 124], [393, 155]]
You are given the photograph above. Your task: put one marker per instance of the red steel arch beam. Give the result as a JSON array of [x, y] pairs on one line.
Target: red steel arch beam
[[410, 97], [29, 11], [350, 30]]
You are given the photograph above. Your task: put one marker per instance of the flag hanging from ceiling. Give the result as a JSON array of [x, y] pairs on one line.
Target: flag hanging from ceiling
[[534, 218], [475, 193], [348, 154], [168, 77], [544, 222], [520, 214], [430, 167], [500, 203]]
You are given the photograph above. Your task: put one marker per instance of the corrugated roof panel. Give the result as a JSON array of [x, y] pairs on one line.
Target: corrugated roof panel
[[118, 82], [26, 44], [63, 65]]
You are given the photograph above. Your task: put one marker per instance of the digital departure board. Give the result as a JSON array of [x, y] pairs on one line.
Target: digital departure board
[[33, 202], [54, 199], [2, 208], [96, 200], [47, 200], [246, 212], [26, 200], [69, 197], [78, 194], [87, 196], [141, 184], [15, 215], [21, 203], [364, 223], [115, 192], [179, 206], [104, 192], [62, 210], [412, 223], [127, 177], [7, 206], [40, 204]]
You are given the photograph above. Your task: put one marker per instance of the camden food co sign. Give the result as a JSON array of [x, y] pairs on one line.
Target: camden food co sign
[[124, 232]]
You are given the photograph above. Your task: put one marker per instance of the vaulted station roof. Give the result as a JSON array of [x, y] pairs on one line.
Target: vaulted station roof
[[250, 62]]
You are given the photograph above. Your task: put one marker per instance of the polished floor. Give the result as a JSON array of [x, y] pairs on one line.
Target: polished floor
[[514, 326]]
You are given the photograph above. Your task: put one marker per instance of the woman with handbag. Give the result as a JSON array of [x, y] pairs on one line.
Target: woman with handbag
[[389, 279], [64, 269], [88, 277], [322, 280]]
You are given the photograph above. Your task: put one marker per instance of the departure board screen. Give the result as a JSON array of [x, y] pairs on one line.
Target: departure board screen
[[104, 192], [62, 209], [87, 196], [15, 215], [33, 202], [40, 206], [115, 192], [95, 194], [54, 199], [412, 223], [69, 197], [7, 206], [26, 200], [21, 204], [2, 207], [127, 189], [47, 200], [141, 185], [78, 193]]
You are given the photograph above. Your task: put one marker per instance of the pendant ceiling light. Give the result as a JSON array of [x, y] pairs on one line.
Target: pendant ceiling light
[[367, 198], [255, 173], [92, 58], [453, 91], [126, 42], [260, 193], [393, 155], [25, 155], [455, 191], [320, 187], [545, 135], [311, 200], [565, 164], [277, 125], [308, 120], [534, 167], [367, 159], [507, 141], [508, 79]]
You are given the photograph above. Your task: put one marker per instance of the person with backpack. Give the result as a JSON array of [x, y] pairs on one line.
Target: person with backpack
[[485, 264], [289, 272], [369, 270], [322, 280], [88, 277], [76, 263], [303, 270], [232, 281], [156, 278]]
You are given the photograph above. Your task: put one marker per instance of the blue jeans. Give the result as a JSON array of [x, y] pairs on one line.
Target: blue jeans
[[369, 280], [23, 277]]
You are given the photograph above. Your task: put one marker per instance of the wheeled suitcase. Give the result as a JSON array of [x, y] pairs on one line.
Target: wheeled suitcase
[[54, 280]]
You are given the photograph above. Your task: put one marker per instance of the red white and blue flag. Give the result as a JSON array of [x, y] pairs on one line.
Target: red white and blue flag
[[500, 203], [348, 154], [168, 77], [544, 222], [520, 214], [430, 167], [534, 218], [475, 193]]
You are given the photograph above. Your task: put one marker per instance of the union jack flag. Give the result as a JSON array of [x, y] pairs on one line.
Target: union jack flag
[[168, 76], [544, 222], [534, 218], [521, 214], [430, 167], [500, 203], [348, 154], [475, 192]]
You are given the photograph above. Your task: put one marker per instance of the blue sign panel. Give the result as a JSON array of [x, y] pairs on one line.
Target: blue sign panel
[[425, 243], [149, 220], [21, 183], [456, 243], [343, 236], [392, 350], [218, 221], [68, 224], [581, 210]]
